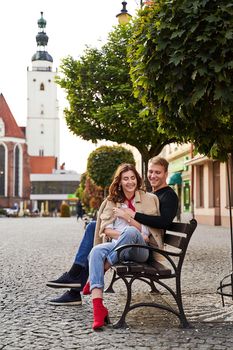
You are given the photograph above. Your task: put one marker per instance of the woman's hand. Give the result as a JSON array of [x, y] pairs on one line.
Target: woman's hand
[[110, 233], [146, 238], [130, 212], [121, 213]]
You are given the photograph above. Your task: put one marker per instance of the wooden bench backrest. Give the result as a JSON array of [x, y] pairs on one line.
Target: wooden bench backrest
[[178, 234]]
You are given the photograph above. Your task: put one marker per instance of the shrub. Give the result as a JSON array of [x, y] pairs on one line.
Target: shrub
[[65, 210], [2, 211]]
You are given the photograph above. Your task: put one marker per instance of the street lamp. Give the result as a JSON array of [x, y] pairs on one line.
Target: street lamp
[[123, 17]]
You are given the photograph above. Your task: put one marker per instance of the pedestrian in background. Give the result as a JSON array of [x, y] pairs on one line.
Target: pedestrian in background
[[79, 209]]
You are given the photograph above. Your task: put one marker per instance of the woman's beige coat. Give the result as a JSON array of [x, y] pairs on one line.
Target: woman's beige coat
[[146, 203]]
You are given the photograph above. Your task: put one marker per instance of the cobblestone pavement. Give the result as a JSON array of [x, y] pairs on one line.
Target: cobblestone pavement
[[34, 250]]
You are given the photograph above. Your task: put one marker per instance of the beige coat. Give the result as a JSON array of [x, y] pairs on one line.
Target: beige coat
[[146, 203]]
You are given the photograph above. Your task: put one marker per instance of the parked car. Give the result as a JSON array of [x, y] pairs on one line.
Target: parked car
[[11, 211]]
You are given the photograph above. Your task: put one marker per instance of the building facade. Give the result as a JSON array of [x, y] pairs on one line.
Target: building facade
[[14, 160], [201, 184]]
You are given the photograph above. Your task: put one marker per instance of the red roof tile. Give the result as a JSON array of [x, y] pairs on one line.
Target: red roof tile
[[11, 127]]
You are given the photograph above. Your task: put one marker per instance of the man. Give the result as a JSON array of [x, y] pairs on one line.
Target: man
[[77, 276]]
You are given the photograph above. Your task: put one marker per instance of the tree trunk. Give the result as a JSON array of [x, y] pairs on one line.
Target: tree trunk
[[145, 161]]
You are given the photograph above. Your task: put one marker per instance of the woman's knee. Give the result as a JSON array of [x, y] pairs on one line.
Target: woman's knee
[[96, 253]]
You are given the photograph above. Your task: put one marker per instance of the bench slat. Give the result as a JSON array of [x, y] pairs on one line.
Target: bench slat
[[174, 241]]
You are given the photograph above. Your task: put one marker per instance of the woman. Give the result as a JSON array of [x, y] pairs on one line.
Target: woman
[[115, 224]]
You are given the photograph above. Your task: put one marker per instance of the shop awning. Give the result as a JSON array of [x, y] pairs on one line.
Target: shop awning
[[175, 179], [197, 160]]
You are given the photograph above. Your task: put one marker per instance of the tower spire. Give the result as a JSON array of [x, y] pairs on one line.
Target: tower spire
[[42, 41]]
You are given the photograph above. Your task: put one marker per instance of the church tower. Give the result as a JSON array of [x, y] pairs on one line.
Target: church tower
[[42, 130]]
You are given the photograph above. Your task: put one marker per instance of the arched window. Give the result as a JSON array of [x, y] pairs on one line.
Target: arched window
[[2, 170], [2, 127], [17, 169], [42, 87]]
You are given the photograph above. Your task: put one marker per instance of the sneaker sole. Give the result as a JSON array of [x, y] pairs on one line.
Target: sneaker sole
[[57, 285], [65, 304]]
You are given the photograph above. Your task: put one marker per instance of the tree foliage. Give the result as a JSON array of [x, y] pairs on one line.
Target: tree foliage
[[181, 61], [101, 100], [103, 162], [90, 194]]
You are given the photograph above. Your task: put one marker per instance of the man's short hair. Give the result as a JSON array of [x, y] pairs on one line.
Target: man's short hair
[[159, 161]]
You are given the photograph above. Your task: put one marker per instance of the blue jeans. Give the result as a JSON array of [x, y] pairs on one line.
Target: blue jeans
[[84, 249], [86, 245], [104, 251]]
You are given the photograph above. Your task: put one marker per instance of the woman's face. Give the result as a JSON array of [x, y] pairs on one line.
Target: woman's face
[[128, 183]]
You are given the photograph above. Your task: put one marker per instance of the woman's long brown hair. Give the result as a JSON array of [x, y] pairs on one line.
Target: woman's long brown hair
[[115, 190]]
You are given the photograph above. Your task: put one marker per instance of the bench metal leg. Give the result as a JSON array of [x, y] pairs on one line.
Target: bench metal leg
[[153, 288], [183, 320], [121, 323], [110, 289]]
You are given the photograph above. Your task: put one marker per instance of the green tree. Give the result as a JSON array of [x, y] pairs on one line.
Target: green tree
[[182, 67], [181, 64], [79, 191], [101, 101], [90, 194], [103, 162]]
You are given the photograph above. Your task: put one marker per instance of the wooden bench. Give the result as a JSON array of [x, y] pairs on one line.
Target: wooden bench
[[176, 241]]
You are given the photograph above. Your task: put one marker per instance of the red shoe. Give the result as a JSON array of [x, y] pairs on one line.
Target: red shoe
[[86, 288], [100, 314]]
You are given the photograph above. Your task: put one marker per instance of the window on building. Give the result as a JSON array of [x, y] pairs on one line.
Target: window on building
[[2, 127], [42, 128], [16, 170], [54, 187], [2, 170], [42, 87], [200, 186], [186, 192], [41, 152], [216, 184]]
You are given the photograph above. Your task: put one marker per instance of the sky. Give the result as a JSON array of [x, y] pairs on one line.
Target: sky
[[71, 26]]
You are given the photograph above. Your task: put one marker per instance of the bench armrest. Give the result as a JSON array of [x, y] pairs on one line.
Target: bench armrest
[[148, 247], [167, 255]]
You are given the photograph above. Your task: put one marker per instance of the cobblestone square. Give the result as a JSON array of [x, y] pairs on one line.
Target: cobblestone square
[[34, 250]]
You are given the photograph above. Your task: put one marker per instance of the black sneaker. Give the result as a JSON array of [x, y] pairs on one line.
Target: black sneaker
[[65, 281], [68, 298]]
